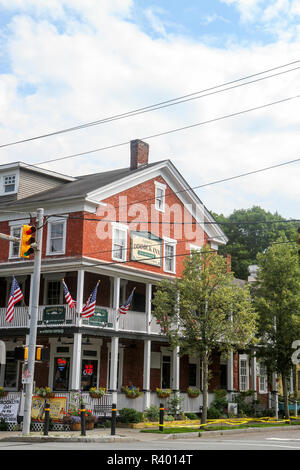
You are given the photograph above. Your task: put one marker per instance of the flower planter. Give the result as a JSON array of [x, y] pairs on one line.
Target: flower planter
[[75, 426], [3, 394], [193, 395], [89, 426]]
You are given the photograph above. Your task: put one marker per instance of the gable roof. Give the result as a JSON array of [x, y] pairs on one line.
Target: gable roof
[[106, 183]]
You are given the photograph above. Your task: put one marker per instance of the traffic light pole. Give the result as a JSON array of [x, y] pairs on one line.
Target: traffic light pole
[[33, 310]]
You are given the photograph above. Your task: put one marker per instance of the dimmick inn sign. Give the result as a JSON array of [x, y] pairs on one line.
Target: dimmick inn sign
[[146, 248]]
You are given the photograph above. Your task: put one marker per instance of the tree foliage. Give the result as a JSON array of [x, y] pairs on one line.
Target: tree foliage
[[205, 310], [251, 231], [277, 301]]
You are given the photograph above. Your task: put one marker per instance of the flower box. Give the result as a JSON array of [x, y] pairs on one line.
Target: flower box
[[193, 392]]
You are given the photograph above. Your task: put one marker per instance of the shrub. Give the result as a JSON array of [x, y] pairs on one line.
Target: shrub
[[220, 402], [174, 405], [191, 415], [213, 413], [129, 415], [3, 425], [152, 413]]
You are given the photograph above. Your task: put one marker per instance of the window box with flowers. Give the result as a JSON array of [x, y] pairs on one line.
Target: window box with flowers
[[3, 392], [45, 392], [163, 392], [193, 392], [97, 392], [72, 417], [132, 391]]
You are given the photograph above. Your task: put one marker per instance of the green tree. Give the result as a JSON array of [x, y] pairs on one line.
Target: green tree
[[205, 310], [251, 231], [277, 301]]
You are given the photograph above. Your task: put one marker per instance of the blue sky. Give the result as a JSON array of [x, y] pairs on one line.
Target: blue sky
[[67, 62]]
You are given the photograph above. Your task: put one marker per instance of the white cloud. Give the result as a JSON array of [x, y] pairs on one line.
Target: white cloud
[[86, 60]]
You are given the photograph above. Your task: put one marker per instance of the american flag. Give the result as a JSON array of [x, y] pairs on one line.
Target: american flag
[[14, 297], [88, 309], [68, 296], [125, 307]]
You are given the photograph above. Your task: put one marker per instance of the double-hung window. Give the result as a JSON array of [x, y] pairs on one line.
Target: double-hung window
[[160, 190], [56, 237], [170, 255], [244, 373], [119, 242], [263, 378]]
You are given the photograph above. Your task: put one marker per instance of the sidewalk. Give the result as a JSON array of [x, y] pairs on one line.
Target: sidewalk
[[125, 435]]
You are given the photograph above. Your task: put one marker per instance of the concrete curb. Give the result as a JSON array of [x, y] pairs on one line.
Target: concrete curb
[[68, 439]]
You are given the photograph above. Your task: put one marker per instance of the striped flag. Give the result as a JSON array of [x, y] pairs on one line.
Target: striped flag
[[88, 309], [14, 297], [126, 306], [68, 296]]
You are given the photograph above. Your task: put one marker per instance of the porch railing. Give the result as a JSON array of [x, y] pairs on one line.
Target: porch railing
[[131, 322]]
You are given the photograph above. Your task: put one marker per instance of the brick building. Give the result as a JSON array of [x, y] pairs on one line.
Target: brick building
[[128, 228]]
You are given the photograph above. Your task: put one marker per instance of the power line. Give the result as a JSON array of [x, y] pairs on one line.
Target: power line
[[172, 131], [163, 104]]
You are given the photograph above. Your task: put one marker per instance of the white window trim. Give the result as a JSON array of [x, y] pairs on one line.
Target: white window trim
[[265, 389], [2, 176], [244, 357], [169, 241], [54, 221], [163, 187], [122, 228]]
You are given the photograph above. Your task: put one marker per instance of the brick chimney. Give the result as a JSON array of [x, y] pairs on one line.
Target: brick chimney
[[139, 152]]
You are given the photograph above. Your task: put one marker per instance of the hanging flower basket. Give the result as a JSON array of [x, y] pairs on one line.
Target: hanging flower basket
[[132, 392], [44, 392], [97, 392], [163, 392], [3, 393], [193, 392]]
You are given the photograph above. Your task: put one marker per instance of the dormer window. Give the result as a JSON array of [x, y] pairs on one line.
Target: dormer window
[[9, 183]]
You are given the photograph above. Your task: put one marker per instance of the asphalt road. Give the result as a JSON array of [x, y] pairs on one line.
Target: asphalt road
[[272, 441]]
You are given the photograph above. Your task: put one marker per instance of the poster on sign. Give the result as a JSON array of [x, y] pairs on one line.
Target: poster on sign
[[9, 409]]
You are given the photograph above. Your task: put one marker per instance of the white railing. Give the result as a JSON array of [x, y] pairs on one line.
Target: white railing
[[131, 322]]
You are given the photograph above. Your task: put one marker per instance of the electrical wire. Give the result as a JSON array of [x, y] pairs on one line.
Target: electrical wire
[[164, 104], [171, 131]]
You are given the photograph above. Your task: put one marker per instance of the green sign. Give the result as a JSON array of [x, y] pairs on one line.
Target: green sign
[[100, 318], [54, 315]]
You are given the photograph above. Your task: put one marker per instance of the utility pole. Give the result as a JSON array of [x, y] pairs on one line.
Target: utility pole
[[33, 309]]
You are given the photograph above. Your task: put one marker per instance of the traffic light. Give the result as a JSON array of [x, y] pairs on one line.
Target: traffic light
[[41, 353], [27, 240]]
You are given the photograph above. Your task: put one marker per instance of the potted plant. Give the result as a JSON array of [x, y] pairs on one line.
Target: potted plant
[[97, 392], [45, 392], [132, 391], [72, 417], [193, 392], [3, 392], [163, 392]]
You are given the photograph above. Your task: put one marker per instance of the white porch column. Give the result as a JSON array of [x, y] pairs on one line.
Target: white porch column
[[76, 360], [147, 350], [115, 343], [230, 372], [148, 307], [274, 403], [175, 362], [253, 374], [146, 373]]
